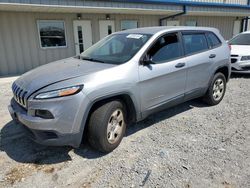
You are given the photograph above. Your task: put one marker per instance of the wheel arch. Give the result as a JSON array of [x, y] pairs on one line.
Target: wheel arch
[[126, 98], [225, 70]]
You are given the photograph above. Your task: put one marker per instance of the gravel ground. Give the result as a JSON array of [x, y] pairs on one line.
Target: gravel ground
[[191, 145]]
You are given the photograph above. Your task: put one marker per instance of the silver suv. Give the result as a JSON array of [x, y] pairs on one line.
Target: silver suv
[[121, 79]]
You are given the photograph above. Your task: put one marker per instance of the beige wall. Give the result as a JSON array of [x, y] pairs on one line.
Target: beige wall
[[224, 24], [19, 42]]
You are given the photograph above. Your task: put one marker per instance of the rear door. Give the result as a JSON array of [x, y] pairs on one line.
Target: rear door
[[164, 79], [214, 45], [199, 61]]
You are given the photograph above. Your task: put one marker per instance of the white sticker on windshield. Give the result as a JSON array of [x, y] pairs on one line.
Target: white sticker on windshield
[[134, 36]]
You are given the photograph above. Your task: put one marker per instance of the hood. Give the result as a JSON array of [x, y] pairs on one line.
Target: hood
[[240, 50], [58, 71]]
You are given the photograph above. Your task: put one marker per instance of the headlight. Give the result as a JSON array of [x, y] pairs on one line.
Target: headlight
[[60, 92], [245, 58]]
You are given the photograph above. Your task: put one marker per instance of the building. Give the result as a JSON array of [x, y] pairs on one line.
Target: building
[[36, 32]]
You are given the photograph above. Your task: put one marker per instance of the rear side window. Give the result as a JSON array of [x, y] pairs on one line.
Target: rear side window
[[213, 40], [194, 42], [241, 39], [166, 48]]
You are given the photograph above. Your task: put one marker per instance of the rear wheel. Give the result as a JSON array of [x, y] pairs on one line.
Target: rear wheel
[[216, 90], [107, 126]]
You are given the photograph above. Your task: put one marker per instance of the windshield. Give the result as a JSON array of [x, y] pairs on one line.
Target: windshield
[[242, 39], [116, 48]]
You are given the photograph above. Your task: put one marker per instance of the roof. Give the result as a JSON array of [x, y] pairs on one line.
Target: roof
[[227, 4], [164, 8], [154, 30]]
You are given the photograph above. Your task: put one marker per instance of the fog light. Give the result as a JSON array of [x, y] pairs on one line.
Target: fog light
[[44, 114]]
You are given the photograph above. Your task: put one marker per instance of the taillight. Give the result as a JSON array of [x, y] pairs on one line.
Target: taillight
[[230, 47]]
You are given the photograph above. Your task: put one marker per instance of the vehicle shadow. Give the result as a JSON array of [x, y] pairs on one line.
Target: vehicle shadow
[[165, 114], [15, 143]]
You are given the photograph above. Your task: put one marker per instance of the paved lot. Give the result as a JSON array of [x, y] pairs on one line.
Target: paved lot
[[191, 145]]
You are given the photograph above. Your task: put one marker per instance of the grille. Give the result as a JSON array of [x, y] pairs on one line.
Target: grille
[[234, 55], [246, 68], [19, 95], [233, 60]]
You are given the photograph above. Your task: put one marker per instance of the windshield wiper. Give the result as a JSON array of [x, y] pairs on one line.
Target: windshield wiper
[[92, 59]]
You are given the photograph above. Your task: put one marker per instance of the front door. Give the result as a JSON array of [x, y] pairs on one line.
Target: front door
[[107, 27], [164, 79], [82, 35]]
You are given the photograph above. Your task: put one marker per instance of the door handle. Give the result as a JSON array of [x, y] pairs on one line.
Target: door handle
[[212, 56], [179, 65]]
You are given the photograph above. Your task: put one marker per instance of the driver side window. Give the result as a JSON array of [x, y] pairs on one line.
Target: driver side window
[[166, 48]]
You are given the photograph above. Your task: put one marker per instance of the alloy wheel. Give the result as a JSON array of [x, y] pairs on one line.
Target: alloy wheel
[[218, 89], [115, 126]]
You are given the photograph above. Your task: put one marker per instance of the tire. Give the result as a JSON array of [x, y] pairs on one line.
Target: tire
[[107, 126], [216, 90]]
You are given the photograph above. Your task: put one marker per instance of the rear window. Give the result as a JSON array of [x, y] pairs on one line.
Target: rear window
[[213, 40], [194, 42], [241, 39]]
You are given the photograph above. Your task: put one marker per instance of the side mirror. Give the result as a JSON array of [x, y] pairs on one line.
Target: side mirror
[[146, 60]]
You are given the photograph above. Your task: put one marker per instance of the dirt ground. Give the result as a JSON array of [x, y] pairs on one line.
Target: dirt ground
[[191, 145]]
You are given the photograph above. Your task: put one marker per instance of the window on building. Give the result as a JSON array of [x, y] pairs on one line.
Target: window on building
[[194, 42], [191, 23], [213, 40], [51, 33], [166, 48], [129, 24]]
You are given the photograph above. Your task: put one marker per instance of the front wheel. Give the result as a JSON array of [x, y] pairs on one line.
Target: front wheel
[[107, 125], [216, 90]]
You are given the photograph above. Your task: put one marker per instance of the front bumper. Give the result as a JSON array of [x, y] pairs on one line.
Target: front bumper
[[66, 128], [240, 66]]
